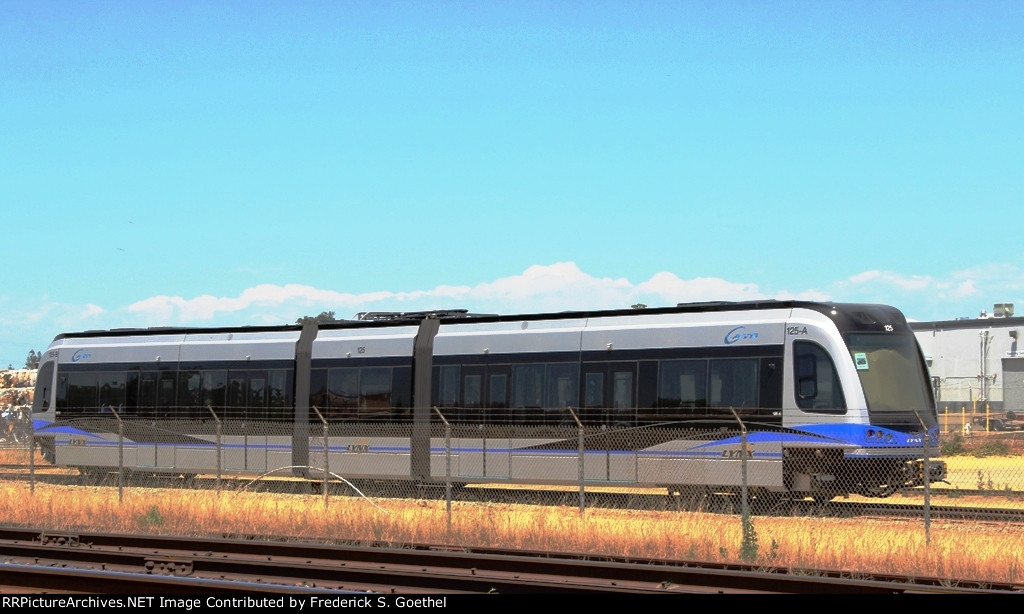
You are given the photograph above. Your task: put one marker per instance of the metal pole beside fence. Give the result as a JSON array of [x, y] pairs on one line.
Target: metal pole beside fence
[[926, 470], [31, 455], [218, 447], [327, 468], [120, 455], [447, 467], [580, 451]]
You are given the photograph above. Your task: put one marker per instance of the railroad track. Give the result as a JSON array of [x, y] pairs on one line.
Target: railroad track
[[104, 563]]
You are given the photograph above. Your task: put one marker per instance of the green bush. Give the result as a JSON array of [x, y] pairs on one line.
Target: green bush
[[953, 446], [992, 448], [958, 445]]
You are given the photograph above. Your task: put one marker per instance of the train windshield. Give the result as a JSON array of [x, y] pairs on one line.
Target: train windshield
[[892, 372]]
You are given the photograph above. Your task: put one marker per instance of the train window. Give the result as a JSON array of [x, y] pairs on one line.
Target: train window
[[401, 390], [817, 381], [622, 391], [257, 409], [472, 391], [318, 389], [343, 393], [189, 391], [647, 384], [770, 396], [593, 390], [375, 393], [497, 395], [683, 384], [215, 389], [472, 396], [147, 394], [112, 391], [497, 392], [733, 383], [131, 393], [622, 398], [449, 386], [279, 396], [806, 376], [41, 398], [82, 392], [891, 371], [527, 392], [561, 389], [165, 401], [238, 394]]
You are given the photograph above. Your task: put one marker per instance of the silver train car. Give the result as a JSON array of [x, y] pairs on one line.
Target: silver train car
[[789, 398]]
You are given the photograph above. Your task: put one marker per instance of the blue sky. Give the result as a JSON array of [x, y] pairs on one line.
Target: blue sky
[[228, 163]]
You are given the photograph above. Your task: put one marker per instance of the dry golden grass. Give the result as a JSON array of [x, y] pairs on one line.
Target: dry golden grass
[[861, 547], [980, 552]]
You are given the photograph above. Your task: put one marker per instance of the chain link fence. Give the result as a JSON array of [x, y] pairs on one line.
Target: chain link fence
[[722, 466], [727, 468]]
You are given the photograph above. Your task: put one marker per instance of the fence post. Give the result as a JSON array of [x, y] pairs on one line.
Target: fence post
[[120, 454], [581, 452], [32, 454], [927, 478], [218, 447], [447, 467], [483, 447], [744, 504], [327, 463]]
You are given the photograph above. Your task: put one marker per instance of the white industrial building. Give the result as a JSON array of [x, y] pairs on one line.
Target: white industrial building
[[977, 364]]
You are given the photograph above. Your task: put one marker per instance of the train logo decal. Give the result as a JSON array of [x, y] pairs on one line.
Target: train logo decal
[[81, 355], [736, 334]]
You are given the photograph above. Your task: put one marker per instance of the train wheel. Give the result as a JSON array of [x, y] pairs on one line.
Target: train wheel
[[887, 485], [880, 491]]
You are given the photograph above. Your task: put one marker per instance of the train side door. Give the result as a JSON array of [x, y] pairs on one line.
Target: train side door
[[608, 395], [484, 451], [247, 406], [498, 379], [608, 400], [472, 394], [166, 409], [145, 408]]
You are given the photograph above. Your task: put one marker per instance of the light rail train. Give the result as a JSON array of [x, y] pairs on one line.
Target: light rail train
[[790, 399]]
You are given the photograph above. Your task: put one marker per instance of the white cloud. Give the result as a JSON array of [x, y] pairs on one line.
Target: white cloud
[[887, 278], [91, 310], [965, 288], [557, 287]]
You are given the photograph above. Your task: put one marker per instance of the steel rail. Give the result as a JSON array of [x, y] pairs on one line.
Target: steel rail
[[428, 568]]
